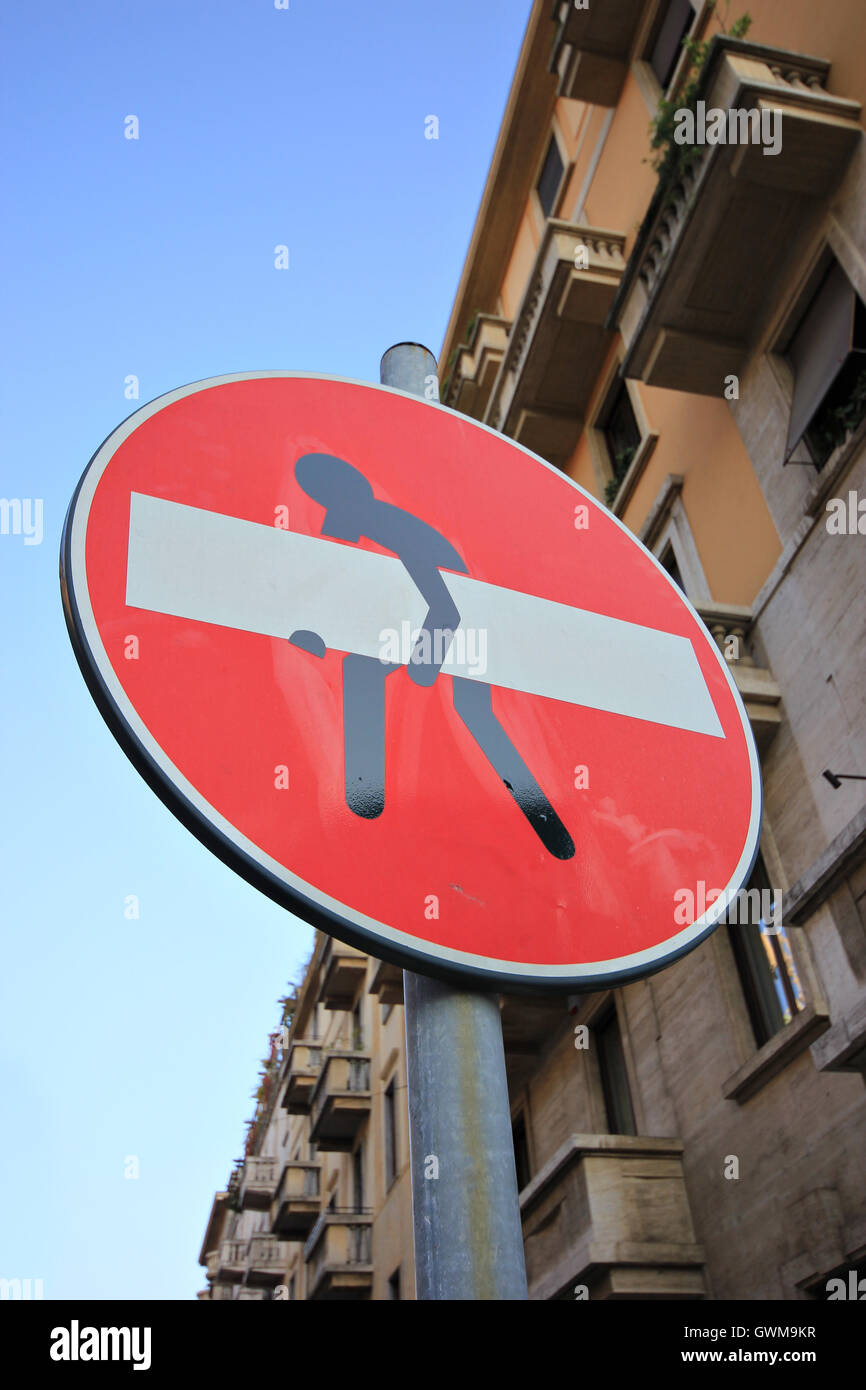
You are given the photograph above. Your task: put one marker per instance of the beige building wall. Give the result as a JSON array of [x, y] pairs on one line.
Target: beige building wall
[[751, 542], [338, 1068], [674, 1138]]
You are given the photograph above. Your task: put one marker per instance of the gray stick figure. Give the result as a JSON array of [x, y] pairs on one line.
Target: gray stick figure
[[352, 511]]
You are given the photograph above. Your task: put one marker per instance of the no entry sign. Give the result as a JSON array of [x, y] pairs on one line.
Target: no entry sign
[[409, 680]]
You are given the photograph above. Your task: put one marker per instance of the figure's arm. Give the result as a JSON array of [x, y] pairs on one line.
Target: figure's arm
[[443, 616]]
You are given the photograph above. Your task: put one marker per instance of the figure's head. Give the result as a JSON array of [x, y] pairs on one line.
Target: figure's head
[[338, 487]]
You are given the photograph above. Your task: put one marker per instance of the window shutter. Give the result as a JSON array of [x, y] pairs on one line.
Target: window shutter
[[818, 350], [549, 180], [666, 50]]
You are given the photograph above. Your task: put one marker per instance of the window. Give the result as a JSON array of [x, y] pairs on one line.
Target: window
[[827, 355], [292, 1293], [387, 1010], [550, 178], [621, 435], [357, 1028], [614, 1080], [394, 1284], [358, 1178], [390, 1135], [668, 561], [521, 1152], [765, 964], [677, 19]]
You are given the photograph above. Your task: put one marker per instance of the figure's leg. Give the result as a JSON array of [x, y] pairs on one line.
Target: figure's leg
[[474, 704], [364, 733]]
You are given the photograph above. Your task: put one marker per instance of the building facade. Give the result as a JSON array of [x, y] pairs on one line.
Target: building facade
[[320, 1207], [664, 296]]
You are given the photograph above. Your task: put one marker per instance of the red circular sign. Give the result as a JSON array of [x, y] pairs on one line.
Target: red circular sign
[[411, 681]]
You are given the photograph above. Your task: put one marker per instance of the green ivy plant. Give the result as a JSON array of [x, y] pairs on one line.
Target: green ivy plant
[[669, 158], [621, 464], [833, 424]]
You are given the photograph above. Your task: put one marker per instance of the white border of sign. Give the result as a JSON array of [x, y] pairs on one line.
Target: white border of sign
[[265, 873]]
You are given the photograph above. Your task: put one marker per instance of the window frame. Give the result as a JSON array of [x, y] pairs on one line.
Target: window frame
[[390, 1131], [359, 1178], [607, 1020], [827, 266], [599, 448], [556, 139], [749, 961], [642, 69], [519, 1126]]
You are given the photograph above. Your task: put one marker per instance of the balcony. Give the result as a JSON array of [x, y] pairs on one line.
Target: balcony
[[338, 1256], [219, 1213], [341, 974], [267, 1258], [476, 365], [300, 1070], [387, 982], [558, 341], [218, 1293], [731, 628], [611, 1212], [297, 1201], [231, 1261], [258, 1180], [719, 237], [592, 47], [341, 1101], [246, 1294]]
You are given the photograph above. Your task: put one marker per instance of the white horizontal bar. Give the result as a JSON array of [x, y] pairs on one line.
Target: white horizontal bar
[[212, 568]]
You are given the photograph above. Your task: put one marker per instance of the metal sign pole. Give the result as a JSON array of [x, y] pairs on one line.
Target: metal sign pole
[[466, 1215]]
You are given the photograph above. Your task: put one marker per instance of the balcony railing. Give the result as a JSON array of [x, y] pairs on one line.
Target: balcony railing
[[297, 1201], [611, 1212], [731, 627], [721, 233], [341, 973], [246, 1294], [300, 1069], [339, 1255], [232, 1261], [558, 341], [592, 48], [476, 366], [341, 1101], [266, 1261], [258, 1180]]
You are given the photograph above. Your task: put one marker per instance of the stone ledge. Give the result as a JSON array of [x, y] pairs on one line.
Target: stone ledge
[[660, 509], [775, 1055], [843, 1047], [827, 872], [577, 1146]]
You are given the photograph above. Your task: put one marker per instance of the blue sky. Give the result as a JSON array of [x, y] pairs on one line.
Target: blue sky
[[154, 257]]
